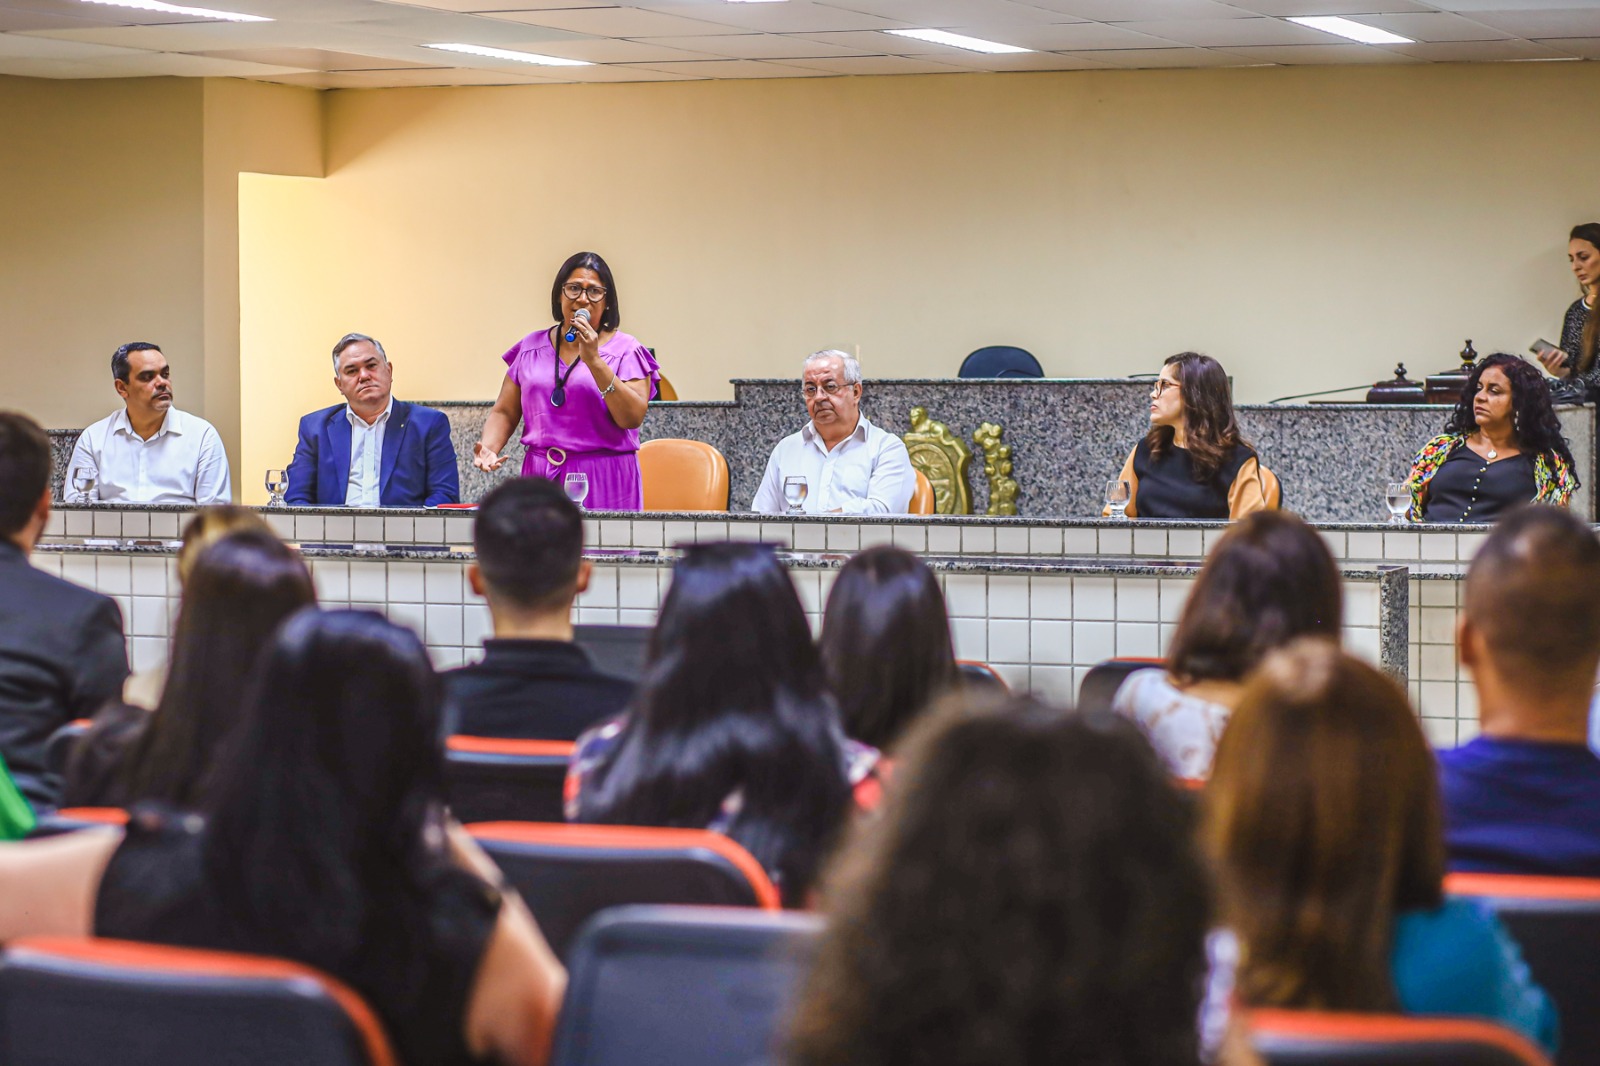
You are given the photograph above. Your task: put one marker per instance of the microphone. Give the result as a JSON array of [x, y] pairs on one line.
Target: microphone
[[572, 334]]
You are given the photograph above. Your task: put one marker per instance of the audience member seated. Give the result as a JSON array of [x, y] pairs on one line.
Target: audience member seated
[[1268, 580], [1323, 820], [148, 452], [533, 682], [322, 840], [847, 464], [885, 644], [372, 450], [144, 688], [1501, 448], [732, 728], [62, 653], [1574, 365], [1194, 462], [238, 591], [1032, 893], [1524, 796]]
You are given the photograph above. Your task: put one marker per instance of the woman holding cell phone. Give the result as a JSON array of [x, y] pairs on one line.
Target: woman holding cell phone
[[1574, 364], [581, 388]]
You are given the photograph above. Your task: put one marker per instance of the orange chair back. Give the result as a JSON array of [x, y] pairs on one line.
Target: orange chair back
[[683, 475], [1329, 1038], [922, 497]]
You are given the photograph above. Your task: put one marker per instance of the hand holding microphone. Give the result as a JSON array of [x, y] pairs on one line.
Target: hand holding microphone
[[581, 314]]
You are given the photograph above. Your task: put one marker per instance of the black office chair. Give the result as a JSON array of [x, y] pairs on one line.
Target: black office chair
[[492, 779], [1000, 361], [681, 986], [90, 1001], [569, 873], [616, 650], [981, 676], [1556, 922], [1315, 1038], [1100, 684]]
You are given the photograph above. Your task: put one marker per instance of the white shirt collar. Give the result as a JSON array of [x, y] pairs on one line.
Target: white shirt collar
[[120, 423], [357, 422], [809, 433]]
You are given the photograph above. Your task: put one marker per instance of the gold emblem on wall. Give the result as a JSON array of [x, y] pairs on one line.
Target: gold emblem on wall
[[943, 459], [997, 469]]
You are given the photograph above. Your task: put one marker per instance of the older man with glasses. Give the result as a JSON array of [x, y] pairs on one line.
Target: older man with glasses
[[839, 462]]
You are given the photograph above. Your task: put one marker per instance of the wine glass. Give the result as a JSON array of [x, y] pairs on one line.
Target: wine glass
[[577, 486], [1118, 493], [794, 493], [277, 485], [1398, 497], [83, 479]]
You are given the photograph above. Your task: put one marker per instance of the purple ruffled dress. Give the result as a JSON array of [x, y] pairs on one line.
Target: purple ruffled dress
[[580, 434]]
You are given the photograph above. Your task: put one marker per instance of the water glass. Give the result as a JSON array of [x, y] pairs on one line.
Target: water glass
[[794, 493], [1398, 497], [577, 486], [277, 485], [1118, 493], [83, 479]]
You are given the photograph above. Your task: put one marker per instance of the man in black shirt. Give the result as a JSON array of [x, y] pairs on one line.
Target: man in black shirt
[[62, 652], [533, 682]]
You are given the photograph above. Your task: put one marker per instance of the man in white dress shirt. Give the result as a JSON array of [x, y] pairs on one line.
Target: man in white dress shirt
[[850, 465], [148, 452]]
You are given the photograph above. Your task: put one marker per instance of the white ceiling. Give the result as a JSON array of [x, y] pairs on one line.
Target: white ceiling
[[348, 44]]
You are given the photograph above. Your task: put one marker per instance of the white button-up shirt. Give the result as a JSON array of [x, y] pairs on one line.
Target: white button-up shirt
[[182, 462], [869, 472], [366, 457]]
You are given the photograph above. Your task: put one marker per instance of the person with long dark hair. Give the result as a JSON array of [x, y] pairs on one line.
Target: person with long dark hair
[[1031, 893], [580, 388], [732, 727], [238, 590], [1502, 447], [1575, 364], [321, 837], [1323, 821], [1194, 462], [1269, 580], [885, 643]]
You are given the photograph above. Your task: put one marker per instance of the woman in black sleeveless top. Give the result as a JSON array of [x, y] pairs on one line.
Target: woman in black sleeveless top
[[1193, 463], [321, 839], [1575, 364]]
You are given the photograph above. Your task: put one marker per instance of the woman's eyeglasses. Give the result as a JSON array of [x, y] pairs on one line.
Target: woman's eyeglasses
[[573, 291], [1161, 385]]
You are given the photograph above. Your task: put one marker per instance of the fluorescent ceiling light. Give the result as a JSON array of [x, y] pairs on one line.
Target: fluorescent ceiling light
[[176, 9], [755, 1], [1356, 31], [956, 40], [506, 53]]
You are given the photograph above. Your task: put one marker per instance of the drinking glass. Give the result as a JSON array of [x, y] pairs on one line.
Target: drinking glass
[[277, 485], [83, 479], [1117, 496], [1398, 497], [577, 486], [794, 493]]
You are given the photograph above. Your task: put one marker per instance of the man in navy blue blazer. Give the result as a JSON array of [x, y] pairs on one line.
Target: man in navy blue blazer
[[372, 450]]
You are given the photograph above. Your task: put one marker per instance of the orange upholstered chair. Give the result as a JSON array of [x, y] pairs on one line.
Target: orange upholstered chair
[[683, 475], [922, 497], [1316, 1038], [92, 1000], [490, 778]]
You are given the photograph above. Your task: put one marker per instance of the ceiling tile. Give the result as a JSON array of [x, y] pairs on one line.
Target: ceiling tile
[[1081, 37], [610, 50], [1020, 61], [1587, 47], [737, 68], [394, 79], [1548, 23], [1166, 58], [759, 46], [1301, 54], [34, 47], [945, 13], [1143, 10], [1436, 28], [617, 22], [210, 36], [485, 7], [12, 20], [1287, 8], [1226, 33], [1516, 5], [873, 42], [1478, 51], [792, 16], [177, 64], [313, 59], [623, 72], [876, 65]]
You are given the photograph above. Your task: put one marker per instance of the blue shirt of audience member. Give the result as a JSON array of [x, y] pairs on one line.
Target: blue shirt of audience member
[[1521, 807]]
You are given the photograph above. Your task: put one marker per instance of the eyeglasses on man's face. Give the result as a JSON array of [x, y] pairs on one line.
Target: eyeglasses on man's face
[[574, 291], [832, 388]]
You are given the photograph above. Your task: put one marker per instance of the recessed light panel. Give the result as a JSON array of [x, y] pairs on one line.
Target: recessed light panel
[[1355, 31], [506, 53], [177, 9], [957, 40]]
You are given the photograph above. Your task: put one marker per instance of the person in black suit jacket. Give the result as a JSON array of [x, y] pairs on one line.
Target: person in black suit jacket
[[372, 450], [62, 652], [534, 682]]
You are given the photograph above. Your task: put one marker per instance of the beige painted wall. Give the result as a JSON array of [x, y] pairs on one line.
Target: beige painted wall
[[100, 239]]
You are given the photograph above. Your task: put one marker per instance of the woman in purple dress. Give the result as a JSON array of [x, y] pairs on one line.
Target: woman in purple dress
[[581, 389]]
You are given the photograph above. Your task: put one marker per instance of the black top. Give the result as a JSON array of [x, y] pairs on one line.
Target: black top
[[1469, 488], [532, 690], [1578, 388], [62, 655], [417, 980], [1167, 488]]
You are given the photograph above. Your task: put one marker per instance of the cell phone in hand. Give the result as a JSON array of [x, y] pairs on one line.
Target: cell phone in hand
[[1542, 347]]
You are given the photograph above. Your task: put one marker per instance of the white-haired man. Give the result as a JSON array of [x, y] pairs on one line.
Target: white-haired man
[[850, 466]]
